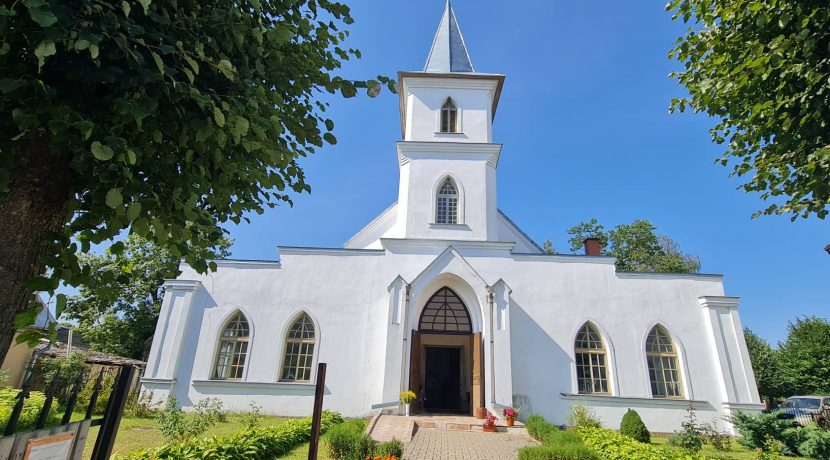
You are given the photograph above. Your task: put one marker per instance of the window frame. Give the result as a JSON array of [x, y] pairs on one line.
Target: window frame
[[676, 358], [604, 355], [220, 338], [437, 196], [287, 341], [453, 119]]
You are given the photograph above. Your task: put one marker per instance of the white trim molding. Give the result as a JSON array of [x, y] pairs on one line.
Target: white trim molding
[[636, 400]]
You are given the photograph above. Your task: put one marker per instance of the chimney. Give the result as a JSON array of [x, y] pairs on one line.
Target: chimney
[[592, 247]]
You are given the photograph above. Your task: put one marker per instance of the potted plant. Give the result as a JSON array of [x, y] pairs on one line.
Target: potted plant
[[510, 415], [406, 398], [489, 424]]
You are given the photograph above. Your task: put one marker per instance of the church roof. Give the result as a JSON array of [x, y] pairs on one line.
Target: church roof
[[448, 53]]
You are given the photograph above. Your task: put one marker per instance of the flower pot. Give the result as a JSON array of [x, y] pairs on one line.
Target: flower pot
[[509, 421], [406, 408], [481, 413], [488, 428]]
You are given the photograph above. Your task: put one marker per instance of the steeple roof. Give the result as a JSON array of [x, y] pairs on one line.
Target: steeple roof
[[448, 53]]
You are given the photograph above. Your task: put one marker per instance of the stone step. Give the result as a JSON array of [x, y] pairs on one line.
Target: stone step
[[384, 427]]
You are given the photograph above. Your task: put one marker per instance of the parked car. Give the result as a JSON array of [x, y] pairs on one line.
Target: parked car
[[807, 409]]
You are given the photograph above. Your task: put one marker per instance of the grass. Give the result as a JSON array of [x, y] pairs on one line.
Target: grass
[[142, 433], [738, 452]]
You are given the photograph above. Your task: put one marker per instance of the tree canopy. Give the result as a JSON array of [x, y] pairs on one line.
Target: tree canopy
[[762, 69], [164, 117], [117, 310], [636, 246], [805, 355], [766, 366]]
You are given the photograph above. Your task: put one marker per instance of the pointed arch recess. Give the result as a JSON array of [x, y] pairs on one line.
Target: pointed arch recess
[[232, 350], [445, 313], [591, 358], [663, 364], [449, 116], [447, 202], [299, 349]]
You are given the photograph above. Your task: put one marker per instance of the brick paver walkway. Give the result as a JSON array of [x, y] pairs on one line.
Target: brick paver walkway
[[432, 444]]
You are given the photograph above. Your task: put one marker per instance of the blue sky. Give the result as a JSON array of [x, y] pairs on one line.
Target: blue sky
[[586, 131]]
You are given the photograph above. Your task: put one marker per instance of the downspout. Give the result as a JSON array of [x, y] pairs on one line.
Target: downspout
[[406, 334], [491, 306]]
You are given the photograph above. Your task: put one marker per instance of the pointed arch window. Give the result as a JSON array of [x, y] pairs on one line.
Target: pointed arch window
[[449, 116], [446, 203], [591, 361], [445, 312], [298, 359], [663, 369], [233, 349]]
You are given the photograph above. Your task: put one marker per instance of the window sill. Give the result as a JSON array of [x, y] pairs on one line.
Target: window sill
[[440, 133], [449, 226], [298, 387], [636, 400]]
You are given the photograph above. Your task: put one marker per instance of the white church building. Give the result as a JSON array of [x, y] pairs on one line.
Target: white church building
[[444, 295]]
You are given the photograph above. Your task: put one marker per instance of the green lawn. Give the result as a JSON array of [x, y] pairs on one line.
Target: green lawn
[[738, 452], [143, 433]]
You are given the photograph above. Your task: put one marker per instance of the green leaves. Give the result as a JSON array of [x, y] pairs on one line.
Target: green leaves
[[114, 198], [227, 69], [100, 151], [44, 49], [41, 13], [159, 62], [7, 85], [218, 117], [760, 68], [145, 4]]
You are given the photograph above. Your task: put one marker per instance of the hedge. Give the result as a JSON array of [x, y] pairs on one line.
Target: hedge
[[349, 441], [31, 408], [611, 445], [557, 444], [255, 443]]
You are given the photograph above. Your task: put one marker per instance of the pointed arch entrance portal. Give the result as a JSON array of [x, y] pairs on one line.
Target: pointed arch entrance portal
[[446, 360]]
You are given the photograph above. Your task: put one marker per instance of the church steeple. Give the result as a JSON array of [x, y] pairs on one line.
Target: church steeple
[[448, 52]]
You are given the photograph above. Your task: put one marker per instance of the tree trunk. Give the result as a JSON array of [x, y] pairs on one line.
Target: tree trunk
[[36, 203]]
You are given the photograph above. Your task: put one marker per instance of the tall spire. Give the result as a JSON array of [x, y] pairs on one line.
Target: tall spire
[[448, 53]]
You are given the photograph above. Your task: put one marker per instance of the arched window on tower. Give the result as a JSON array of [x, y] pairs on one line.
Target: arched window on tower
[[663, 369], [299, 351], [591, 361], [446, 203], [233, 349], [449, 117]]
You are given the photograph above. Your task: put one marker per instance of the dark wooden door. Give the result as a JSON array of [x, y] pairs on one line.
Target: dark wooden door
[[442, 379], [415, 381]]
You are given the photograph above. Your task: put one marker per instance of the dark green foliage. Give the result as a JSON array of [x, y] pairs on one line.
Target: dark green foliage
[[85, 395], [348, 441], [633, 427], [61, 375], [250, 444], [557, 444], [755, 429], [117, 307], [814, 443], [766, 366], [760, 69], [393, 447], [636, 247], [168, 118], [805, 355]]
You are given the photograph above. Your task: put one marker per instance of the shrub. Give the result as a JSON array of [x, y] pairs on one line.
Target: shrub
[[211, 408], [255, 444], [177, 426], [85, 395], [610, 445], [583, 417], [633, 427], [31, 408], [393, 448], [63, 373], [814, 442], [348, 441], [755, 429], [720, 441], [770, 450], [538, 428], [691, 437], [140, 404], [251, 419]]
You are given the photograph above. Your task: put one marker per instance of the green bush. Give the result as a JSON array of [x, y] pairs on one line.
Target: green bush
[[31, 408], [393, 447], [140, 404], [348, 441], [633, 427], [814, 443], [583, 417], [254, 444], [85, 395], [610, 445], [537, 427], [755, 429]]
